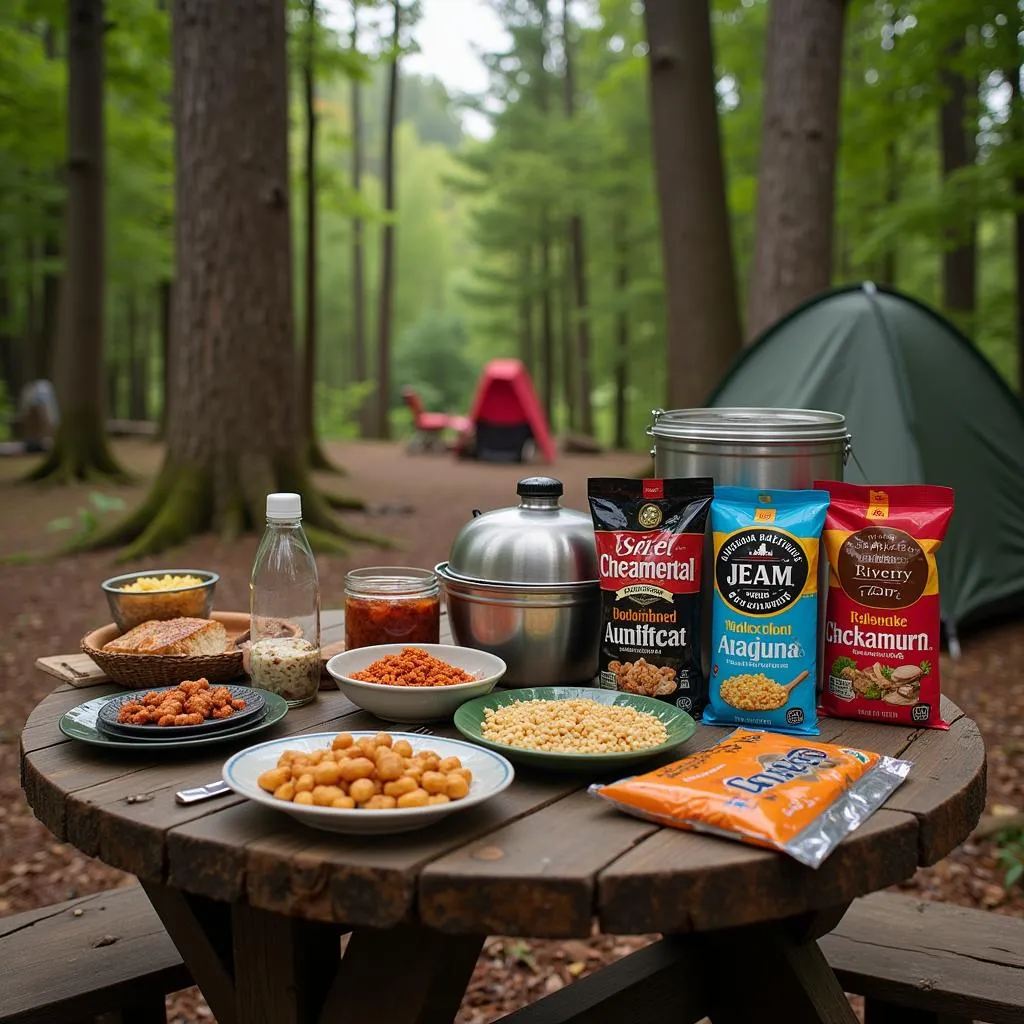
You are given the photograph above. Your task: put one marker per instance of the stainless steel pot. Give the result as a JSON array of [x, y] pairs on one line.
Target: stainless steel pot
[[750, 447], [521, 583], [546, 635]]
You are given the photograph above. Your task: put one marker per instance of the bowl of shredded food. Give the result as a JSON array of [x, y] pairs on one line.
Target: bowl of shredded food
[[159, 594], [402, 683], [574, 728]]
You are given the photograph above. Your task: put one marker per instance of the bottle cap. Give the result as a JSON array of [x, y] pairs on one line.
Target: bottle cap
[[284, 506]]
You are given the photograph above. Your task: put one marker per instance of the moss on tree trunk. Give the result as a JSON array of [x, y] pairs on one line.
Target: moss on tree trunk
[[234, 430]]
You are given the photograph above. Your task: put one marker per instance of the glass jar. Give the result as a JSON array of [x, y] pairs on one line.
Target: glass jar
[[284, 607], [391, 605]]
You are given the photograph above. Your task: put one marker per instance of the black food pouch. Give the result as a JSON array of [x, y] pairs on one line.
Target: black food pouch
[[650, 545]]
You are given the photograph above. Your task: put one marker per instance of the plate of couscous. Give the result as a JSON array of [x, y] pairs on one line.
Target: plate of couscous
[[574, 728]]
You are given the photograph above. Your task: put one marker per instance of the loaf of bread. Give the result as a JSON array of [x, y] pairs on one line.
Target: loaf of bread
[[172, 636]]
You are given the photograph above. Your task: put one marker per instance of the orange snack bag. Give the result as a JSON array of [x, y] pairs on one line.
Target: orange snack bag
[[765, 789]]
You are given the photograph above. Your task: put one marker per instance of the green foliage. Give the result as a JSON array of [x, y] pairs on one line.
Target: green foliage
[[1011, 856], [431, 357], [87, 518]]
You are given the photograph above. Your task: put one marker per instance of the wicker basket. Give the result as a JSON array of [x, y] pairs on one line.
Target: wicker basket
[[143, 671]]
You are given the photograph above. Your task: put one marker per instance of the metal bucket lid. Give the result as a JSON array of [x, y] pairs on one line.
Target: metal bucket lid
[[750, 424]]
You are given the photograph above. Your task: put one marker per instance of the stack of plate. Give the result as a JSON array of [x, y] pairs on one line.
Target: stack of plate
[[96, 722]]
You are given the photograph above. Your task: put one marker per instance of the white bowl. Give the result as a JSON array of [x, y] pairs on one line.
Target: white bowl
[[492, 773], [415, 703]]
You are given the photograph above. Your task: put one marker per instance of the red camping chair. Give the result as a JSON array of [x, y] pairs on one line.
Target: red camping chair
[[429, 426]]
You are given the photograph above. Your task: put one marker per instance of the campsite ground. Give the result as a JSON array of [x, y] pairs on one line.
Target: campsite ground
[[420, 502]]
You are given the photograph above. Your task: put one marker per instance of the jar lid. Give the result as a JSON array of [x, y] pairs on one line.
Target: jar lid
[[535, 542], [764, 425]]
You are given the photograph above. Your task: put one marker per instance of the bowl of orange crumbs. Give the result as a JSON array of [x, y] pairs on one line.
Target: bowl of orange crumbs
[[421, 683]]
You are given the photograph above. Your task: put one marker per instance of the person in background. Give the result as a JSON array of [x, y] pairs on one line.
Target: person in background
[[38, 415]]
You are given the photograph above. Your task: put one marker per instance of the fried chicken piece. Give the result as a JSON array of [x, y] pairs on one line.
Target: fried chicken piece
[[152, 698], [197, 704], [238, 704], [188, 720], [221, 695], [224, 712], [166, 720]]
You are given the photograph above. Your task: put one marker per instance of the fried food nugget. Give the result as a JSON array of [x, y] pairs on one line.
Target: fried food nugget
[[373, 773], [189, 703]]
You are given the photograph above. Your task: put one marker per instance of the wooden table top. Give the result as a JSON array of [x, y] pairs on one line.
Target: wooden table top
[[542, 859]]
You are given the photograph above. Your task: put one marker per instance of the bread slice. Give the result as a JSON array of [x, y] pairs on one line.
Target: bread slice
[[172, 636]]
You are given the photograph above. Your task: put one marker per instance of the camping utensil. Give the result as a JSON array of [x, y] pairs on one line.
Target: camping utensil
[[521, 583], [200, 793]]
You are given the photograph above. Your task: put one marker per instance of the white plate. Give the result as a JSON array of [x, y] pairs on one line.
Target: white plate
[[492, 773], [415, 703]]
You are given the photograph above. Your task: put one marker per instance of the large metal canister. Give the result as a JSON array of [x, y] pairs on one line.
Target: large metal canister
[[751, 447]]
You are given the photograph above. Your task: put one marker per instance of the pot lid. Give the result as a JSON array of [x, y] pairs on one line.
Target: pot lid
[[750, 424], [536, 541]]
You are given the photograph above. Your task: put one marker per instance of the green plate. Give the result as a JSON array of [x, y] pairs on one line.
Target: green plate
[[80, 724], [678, 724]]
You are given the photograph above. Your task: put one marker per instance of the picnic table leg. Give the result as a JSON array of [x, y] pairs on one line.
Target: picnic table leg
[[764, 973], [201, 930], [404, 975], [284, 966]]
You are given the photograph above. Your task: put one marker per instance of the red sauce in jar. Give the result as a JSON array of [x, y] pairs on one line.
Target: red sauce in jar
[[391, 605], [370, 621]]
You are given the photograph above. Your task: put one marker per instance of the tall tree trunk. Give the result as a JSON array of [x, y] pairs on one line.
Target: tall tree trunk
[[233, 430], [527, 342], [164, 322], [10, 356], [1017, 136], [799, 136], [358, 254], [31, 356], [382, 426], [621, 244], [959, 260], [703, 316], [314, 453], [547, 327], [892, 195], [138, 359], [47, 340], [579, 262], [570, 382], [80, 451]]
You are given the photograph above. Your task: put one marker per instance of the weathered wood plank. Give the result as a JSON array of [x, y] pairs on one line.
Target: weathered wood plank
[[936, 957], [679, 881], [85, 957], [536, 876], [945, 790], [434, 972], [41, 728], [372, 881]]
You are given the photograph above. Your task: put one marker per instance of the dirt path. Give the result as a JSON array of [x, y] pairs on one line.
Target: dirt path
[[420, 502]]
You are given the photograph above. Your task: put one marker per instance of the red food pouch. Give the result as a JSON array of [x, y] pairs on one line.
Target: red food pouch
[[882, 626]]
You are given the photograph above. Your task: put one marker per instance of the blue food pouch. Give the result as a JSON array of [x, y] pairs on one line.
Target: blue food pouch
[[764, 628]]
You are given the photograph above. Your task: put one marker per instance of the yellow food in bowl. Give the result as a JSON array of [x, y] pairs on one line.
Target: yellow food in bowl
[[147, 584]]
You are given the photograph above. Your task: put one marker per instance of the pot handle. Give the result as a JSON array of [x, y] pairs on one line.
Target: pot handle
[[477, 512], [656, 414]]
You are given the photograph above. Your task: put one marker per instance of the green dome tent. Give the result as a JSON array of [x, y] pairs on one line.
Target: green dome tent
[[922, 406]]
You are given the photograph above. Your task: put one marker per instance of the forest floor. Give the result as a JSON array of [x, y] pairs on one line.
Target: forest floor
[[420, 502]]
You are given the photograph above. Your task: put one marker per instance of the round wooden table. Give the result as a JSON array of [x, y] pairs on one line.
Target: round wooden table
[[256, 902]]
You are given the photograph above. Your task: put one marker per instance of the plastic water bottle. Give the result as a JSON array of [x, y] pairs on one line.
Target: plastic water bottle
[[284, 607]]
